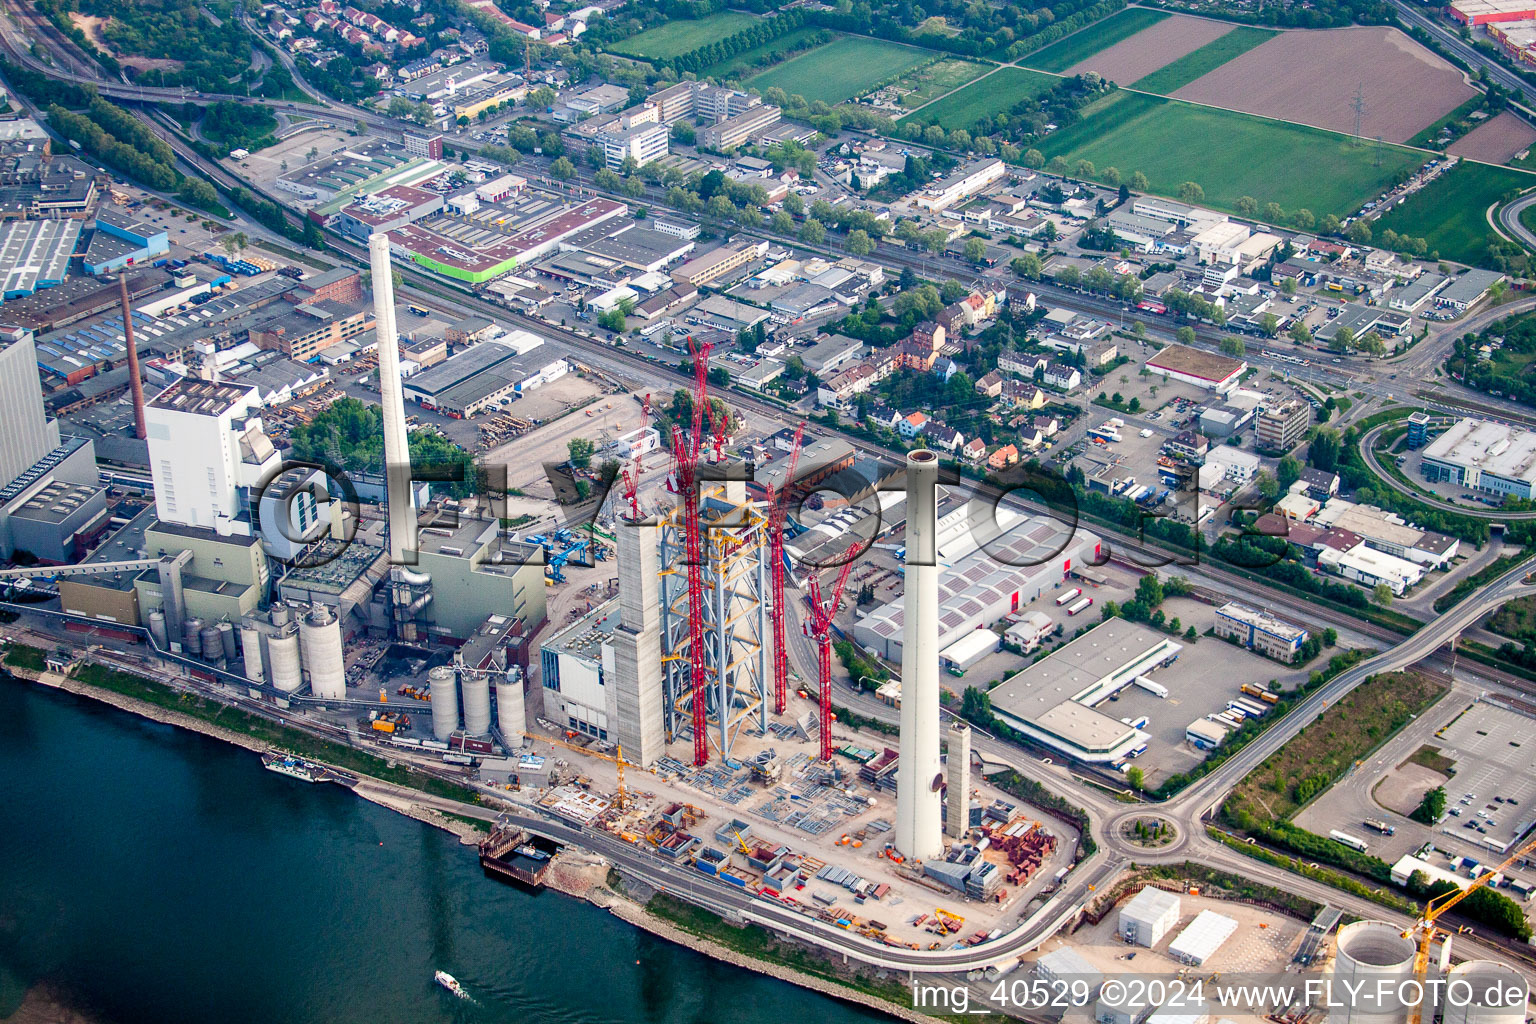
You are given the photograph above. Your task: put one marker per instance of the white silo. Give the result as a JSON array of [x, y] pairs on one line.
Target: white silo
[[445, 701], [283, 659], [1375, 960], [157, 629], [1483, 992], [281, 614], [477, 702], [250, 649], [320, 644], [511, 718]]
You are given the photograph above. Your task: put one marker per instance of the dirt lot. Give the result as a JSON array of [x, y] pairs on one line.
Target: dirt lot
[[1403, 788], [1153, 47], [1496, 140], [1311, 76]]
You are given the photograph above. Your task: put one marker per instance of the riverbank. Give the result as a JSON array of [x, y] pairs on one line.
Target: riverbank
[[581, 876]]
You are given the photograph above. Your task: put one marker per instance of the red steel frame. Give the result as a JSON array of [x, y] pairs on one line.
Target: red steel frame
[[821, 630]]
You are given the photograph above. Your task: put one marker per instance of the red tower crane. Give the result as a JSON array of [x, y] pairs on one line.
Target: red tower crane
[[778, 511], [820, 628], [685, 454]]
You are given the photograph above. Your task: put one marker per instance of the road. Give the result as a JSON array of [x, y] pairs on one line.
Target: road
[[1509, 221], [1448, 39]]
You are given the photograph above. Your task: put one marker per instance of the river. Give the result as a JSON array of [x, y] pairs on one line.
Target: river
[[151, 875]]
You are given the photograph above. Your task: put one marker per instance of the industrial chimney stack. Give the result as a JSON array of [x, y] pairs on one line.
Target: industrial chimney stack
[[919, 777], [397, 452], [135, 379]]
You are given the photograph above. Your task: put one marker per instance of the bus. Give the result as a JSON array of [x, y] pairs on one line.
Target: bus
[[419, 310], [1348, 840], [1085, 602], [1069, 596]]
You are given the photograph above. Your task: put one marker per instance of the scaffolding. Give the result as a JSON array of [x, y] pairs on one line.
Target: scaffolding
[[734, 620]]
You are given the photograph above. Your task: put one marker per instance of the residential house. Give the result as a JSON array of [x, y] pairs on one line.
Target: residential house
[[1004, 457], [1048, 426], [990, 385], [975, 450], [912, 424], [1024, 364], [1189, 445], [882, 415], [945, 368], [1063, 376], [1021, 394], [943, 436]]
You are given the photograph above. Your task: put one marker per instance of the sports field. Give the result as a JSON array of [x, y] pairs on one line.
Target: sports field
[[1203, 61], [842, 69], [992, 95], [1450, 213], [1272, 161], [746, 62], [1086, 42], [682, 36]]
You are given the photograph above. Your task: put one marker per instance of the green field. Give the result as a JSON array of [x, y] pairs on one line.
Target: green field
[[1272, 161], [1172, 77], [1450, 213], [1086, 42], [843, 69], [746, 61], [995, 94], [682, 36]]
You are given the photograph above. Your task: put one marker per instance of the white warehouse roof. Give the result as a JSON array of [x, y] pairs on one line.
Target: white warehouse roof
[[1151, 904], [1202, 938]]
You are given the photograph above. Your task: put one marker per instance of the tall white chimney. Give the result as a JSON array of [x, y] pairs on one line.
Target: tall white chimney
[[397, 451], [919, 779]]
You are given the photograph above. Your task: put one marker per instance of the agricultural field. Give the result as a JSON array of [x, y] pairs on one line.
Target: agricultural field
[[681, 36], [1272, 161], [760, 57], [841, 70], [992, 95], [1450, 213], [1311, 77], [1146, 51], [1496, 140], [1085, 42], [924, 84], [1203, 61]]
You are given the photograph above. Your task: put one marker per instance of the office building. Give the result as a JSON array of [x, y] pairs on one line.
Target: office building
[[1481, 455], [733, 131], [641, 143], [1259, 631], [1281, 427]]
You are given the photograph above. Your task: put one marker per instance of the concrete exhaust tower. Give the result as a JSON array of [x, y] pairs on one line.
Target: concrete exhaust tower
[[919, 778], [957, 817], [397, 451]]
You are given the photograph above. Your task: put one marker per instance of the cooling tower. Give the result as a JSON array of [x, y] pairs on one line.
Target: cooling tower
[[1483, 992], [320, 644], [445, 701], [1374, 959], [919, 779]]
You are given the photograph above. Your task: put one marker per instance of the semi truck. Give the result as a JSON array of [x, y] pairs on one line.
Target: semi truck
[[1264, 695], [1376, 824], [1353, 842], [1069, 596], [1082, 604]]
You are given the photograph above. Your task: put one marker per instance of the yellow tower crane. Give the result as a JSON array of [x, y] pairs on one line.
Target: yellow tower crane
[[621, 798], [1426, 928]]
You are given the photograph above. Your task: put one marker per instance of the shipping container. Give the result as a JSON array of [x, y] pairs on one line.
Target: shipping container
[[1082, 605]]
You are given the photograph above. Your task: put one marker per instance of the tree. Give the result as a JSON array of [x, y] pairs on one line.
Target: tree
[[1247, 205], [1381, 593], [562, 169], [1191, 192], [1359, 233], [812, 233], [1135, 777], [1300, 333], [1034, 158], [1268, 485], [1139, 182], [859, 242], [1431, 808], [975, 251], [1185, 335], [1288, 471], [1288, 287], [1233, 346], [1324, 450], [581, 450]]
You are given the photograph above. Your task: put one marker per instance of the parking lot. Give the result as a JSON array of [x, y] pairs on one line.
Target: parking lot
[[1493, 791]]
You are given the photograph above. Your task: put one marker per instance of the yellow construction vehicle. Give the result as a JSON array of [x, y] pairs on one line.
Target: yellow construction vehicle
[[621, 798], [1426, 928], [741, 844]]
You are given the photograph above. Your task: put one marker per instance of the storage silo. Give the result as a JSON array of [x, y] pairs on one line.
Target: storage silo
[[213, 647], [192, 637], [250, 648], [281, 614], [320, 644], [1375, 961], [445, 701], [283, 660], [1483, 992], [477, 702], [157, 629], [227, 640], [511, 718]]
